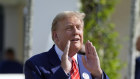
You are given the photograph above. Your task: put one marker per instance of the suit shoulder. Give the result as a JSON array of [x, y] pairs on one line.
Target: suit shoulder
[[39, 58], [42, 58]]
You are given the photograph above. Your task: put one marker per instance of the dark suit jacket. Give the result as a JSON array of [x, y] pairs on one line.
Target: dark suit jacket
[[47, 66], [137, 68]]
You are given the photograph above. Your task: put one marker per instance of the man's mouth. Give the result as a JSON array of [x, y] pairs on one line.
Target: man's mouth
[[75, 40]]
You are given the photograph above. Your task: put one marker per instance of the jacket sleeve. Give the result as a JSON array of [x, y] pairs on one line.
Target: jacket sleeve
[[104, 76], [31, 71]]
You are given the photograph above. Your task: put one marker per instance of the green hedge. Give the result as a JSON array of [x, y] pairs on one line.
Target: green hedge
[[100, 31]]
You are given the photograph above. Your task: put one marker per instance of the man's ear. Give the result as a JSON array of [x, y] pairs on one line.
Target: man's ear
[[55, 36]]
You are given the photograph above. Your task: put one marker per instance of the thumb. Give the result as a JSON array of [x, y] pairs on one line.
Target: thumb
[[66, 50]]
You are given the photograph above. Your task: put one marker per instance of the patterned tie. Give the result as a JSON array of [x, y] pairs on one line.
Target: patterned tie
[[74, 71]]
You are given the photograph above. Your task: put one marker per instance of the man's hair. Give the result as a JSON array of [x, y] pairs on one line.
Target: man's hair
[[66, 14], [9, 51]]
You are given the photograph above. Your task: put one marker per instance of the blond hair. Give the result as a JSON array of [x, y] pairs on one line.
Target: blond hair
[[66, 14]]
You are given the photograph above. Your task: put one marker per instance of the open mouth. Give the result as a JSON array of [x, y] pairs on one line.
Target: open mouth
[[75, 40]]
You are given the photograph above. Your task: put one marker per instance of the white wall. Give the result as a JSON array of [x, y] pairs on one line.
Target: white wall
[[121, 18], [43, 13], [13, 29]]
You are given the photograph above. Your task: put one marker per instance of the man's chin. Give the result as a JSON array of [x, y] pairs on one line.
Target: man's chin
[[76, 47]]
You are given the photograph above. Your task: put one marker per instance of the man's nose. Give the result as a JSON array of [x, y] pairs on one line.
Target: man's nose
[[75, 30]]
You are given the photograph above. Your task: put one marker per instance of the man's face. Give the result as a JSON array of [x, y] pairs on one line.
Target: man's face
[[70, 28]]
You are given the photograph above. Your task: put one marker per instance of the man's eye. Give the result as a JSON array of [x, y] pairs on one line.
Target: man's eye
[[79, 27], [69, 28]]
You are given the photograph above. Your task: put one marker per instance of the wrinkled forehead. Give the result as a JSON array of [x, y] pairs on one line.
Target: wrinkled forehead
[[71, 20]]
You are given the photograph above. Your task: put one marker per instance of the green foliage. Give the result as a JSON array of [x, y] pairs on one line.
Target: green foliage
[[100, 31]]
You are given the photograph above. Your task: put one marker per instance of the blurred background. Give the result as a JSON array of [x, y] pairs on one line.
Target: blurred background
[[112, 25]]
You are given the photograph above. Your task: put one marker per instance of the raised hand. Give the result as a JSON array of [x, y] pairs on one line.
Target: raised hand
[[92, 62], [65, 60]]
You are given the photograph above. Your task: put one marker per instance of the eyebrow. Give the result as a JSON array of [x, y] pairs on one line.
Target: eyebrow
[[69, 23], [72, 24]]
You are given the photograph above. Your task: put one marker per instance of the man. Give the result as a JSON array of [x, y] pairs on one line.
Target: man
[[137, 67], [62, 60], [9, 64]]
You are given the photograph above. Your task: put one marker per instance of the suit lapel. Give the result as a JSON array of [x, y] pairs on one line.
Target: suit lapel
[[53, 57], [84, 73]]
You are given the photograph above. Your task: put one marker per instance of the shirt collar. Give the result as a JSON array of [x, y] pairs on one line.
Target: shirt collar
[[60, 53]]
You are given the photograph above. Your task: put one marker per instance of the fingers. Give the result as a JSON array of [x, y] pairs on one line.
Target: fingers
[[94, 50], [86, 48], [90, 49], [65, 60], [66, 50]]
